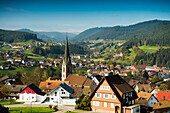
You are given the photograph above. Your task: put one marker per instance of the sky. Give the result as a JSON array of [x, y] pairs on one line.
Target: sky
[[78, 15]]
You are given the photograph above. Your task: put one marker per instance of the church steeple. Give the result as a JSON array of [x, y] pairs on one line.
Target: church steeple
[[67, 55], [66, 66]]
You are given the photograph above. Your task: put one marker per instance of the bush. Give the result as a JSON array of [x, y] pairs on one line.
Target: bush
[[50, 106], [55, 107], [3, 109]]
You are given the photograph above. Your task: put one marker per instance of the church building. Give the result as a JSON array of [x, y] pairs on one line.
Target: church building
[[66, 66]]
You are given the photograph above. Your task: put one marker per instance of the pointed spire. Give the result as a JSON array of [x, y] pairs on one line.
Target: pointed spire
[[66, 50]]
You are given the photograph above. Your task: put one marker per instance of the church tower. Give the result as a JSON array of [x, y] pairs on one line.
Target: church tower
[[66, 66]]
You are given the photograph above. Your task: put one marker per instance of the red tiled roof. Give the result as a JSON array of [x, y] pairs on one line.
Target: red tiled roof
[[166, 94]]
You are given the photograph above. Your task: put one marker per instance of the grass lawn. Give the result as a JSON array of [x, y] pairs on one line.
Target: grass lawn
[[14, 71], [29, 109], [149, 48], [8, 103]]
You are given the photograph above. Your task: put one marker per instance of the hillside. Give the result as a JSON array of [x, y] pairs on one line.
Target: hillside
[[159, 36], [121, 32], [53, 36], [87, 33], [16, 36]]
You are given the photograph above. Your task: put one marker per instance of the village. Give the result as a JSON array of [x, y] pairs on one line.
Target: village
[[108, 87]]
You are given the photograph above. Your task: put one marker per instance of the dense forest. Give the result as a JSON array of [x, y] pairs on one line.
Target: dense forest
[[54, 51], [157, 37], [120, 32], [160, 58], [16, 36]]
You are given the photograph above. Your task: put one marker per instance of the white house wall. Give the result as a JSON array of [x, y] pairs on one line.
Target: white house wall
[[27, 97]]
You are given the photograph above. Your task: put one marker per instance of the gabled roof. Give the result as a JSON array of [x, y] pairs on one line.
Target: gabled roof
[[164, 104], [51, 84], [117, 84], [16, 82], [78, 80], [15, 88], [35, 89], [4, 78], [64, 86], [145, 95], [146, 87]]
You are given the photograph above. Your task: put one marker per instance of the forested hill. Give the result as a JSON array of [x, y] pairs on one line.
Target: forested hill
[[87, 33], [16, 36], [157, 37], [121, 32]]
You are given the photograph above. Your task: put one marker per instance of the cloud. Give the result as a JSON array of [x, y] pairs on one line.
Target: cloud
[[12, 9]]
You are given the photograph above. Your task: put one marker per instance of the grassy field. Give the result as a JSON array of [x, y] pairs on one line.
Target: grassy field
[[149, 48], [30, 110], [8, 103], [6, 48], [13, 71]]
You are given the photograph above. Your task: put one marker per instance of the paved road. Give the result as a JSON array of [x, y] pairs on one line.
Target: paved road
[[62, 108]]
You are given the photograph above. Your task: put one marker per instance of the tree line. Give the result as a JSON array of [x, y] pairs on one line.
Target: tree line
[[16, 36]]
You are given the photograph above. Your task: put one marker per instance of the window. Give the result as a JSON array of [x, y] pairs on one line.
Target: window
[[102, 87], [151, 102], [112, 105], [131, 94], [98, 95], [133, 102], [25, 91], [126, 94], [106, 96], [96, 103], [52, 98], [63, 92], [32, 97], [123, 96], [55, 93], [30, 92], [129, 102], [105, 104], [113, 96], [107, 88], [151, 98]]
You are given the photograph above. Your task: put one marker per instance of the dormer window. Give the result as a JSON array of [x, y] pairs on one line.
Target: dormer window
[[30, 92], [25, 91]]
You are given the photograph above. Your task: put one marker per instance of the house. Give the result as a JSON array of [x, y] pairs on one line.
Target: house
[[62, 94], [112, 94], [151, 99], [138, 67], [4, 67], [43, 66], [163, 95], [155, 91], [49, 84], [14, 91], [18, 59], [118, 67], [162, 106], [81, 85], [31, 93], [143, 87], [4, 79], [96, 79]]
